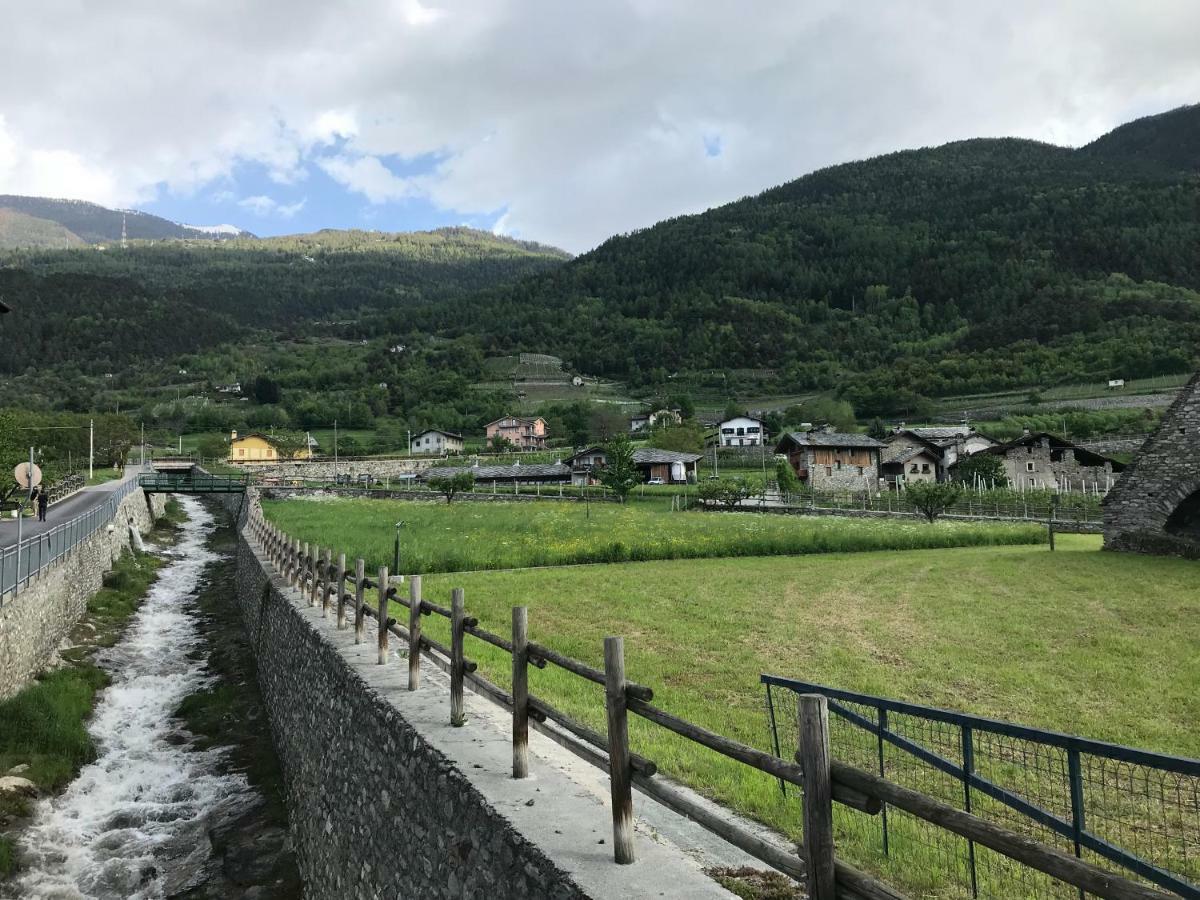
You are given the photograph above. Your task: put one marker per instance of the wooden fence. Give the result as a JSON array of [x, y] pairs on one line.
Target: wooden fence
[[323, 577]]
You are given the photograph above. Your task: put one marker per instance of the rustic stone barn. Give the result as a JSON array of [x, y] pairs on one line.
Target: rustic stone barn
[[1155, 507]]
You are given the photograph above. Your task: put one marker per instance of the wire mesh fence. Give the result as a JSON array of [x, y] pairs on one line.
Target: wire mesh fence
[[1130, 811]]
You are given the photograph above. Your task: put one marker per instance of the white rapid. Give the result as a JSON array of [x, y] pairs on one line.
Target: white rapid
[[134, 823]]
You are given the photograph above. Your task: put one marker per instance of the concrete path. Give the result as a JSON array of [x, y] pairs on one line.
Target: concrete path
[[62, 511]]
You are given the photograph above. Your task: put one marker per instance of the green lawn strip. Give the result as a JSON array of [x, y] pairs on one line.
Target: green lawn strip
[[466, 536], [44, 725], [1080, 641]]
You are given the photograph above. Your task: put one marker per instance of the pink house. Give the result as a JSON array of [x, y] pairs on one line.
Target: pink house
[[524, 434]]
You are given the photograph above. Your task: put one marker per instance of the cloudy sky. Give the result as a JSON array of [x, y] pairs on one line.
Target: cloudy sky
[[562, 121]]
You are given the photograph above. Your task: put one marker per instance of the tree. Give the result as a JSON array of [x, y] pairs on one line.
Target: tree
[[212, 446], [786, 476], [982, 468], [877, 429], [685, 405], [732, 410], [452, 484], [931, 499], [266, 390], [824, 411], [501, 444], [619, 474], [288, 444], [726, 491], [685, 438]]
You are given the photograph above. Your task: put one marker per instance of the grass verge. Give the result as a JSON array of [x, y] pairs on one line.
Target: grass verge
[[469, 536], [44, 725]]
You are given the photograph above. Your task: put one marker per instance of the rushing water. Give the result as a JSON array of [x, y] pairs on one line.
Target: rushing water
[[134, 823]]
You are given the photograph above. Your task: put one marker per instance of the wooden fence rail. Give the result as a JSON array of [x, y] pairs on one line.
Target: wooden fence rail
[[823, 780]]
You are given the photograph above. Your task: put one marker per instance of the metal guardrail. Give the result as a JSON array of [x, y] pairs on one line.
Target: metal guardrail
[[20, 563], [1131, 811], [192, 483]]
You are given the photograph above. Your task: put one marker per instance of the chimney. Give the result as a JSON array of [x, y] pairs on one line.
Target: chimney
[[1025, 432], [233, 436]]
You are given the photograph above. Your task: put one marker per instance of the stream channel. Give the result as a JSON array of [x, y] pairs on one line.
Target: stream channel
[[164, 812]]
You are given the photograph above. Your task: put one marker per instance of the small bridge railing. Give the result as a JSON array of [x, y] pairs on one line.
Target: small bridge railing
[[200, 483], [1132, 812]]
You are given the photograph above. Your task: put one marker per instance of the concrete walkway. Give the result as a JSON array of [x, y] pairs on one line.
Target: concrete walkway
[[63, 511]]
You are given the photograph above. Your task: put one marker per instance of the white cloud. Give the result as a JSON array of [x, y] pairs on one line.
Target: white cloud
[[262, 205], [368, 176], [578, 120]]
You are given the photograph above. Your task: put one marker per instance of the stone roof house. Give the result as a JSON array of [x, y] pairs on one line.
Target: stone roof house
[[829, 460]]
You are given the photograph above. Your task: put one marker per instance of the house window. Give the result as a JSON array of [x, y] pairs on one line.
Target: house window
[[752, 430], [924, 468], [860, 470], [913, 469], [241, 451], [829, 470], [1028, 467], [726, 431], [839, 465], [741, 431]]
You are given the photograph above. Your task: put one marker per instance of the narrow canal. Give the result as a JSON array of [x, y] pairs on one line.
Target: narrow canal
[[164, 811]]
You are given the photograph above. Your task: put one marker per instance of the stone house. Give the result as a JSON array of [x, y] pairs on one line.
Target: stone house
[[912, 464], [524, 434], [1155, 507], [436, 442], [829, 461], [948, 443], [1044, 461]]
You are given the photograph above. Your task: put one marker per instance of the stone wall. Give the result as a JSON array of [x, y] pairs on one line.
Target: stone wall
[[388, 800], [34, 621], [1164, 475], [1053, 467], [326, 469]]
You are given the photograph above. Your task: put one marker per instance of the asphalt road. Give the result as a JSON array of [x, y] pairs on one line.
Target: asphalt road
[[62, 511]]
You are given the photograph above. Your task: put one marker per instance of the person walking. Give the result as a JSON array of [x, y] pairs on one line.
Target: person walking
[[43, 500]]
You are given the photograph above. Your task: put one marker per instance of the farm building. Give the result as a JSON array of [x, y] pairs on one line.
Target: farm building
[[436, 442], [668, 466], [825, 460], [646, 421], [1043, 460], [524, 434], [912, 464]]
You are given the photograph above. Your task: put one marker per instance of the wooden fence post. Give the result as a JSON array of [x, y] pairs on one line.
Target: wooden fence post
[[520, 691], [813, 716], [383, 616], [294, 562], [414, 632], [619, 772], [338, 585], [318, 578], [360, 581], [1050, 522], [341, 592], [457, 668], [305, 558]]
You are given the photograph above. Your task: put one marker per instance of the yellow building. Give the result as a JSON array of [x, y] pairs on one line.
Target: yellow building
[[256, 447]]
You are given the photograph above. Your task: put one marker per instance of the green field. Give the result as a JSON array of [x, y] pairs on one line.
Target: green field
[[1079, 641], [474, 535]]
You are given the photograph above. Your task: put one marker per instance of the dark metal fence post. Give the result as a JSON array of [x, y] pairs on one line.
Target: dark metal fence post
[[812, 713], [775, 736], [619, 770], [882, 723], [1077, 822], [520, 691], [968, 768]]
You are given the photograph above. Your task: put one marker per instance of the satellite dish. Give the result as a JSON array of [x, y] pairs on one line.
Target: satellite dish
[[22, 473]]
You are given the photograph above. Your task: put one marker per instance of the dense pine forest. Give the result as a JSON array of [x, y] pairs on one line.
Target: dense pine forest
[[980, 265]]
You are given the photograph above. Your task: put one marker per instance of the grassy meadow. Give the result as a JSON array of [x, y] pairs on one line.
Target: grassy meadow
[[981, 618], [466, 536]]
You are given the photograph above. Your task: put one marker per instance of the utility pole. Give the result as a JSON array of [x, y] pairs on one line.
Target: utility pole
[[91, 446], [335, 451], [143, 445]]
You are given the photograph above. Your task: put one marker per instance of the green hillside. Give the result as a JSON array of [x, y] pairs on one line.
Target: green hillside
[[20, 230], [95, 224]]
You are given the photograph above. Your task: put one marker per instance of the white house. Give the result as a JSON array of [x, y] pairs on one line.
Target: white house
[[742, 431], [435, 442]]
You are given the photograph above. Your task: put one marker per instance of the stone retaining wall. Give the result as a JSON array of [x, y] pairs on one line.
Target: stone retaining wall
[[34, 621]]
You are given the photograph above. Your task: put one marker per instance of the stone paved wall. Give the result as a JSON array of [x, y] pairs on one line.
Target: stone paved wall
[[34, 621], [321, 469], [1163, 474], [376, 812]]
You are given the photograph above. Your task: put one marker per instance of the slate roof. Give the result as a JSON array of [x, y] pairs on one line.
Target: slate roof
[[910, 453], [449, 434], [502, 473], [1084, 456], [645, 456], [831, 439]]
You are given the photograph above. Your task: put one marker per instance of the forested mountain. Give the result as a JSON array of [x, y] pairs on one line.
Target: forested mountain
[[20, 230], [974, 266], [91, 223]]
